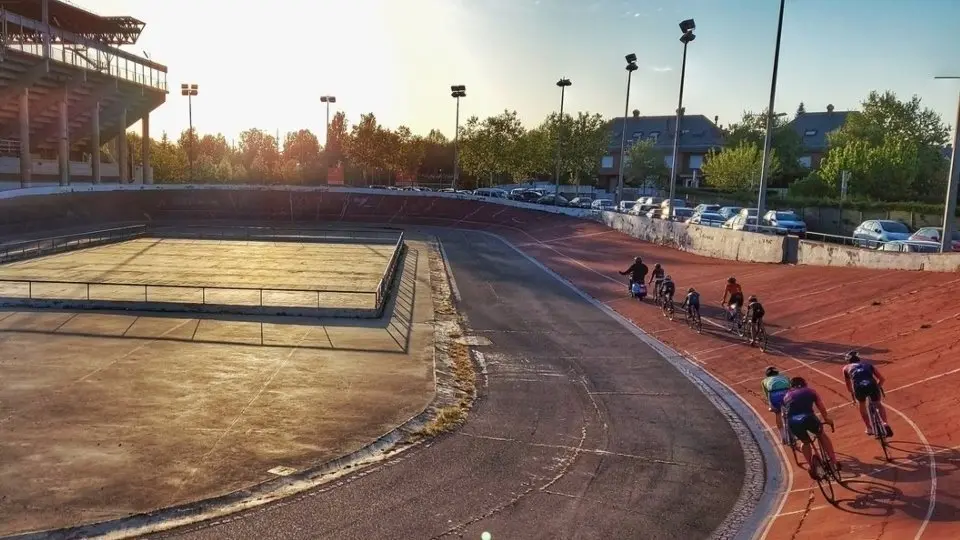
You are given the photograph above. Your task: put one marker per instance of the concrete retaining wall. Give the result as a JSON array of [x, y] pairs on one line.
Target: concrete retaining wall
[[706, 241], [819, 254]]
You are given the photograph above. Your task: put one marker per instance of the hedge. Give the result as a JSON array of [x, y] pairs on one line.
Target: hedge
[[806, 202]]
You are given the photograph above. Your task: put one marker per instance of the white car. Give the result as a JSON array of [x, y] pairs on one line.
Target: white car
[[602, 205], [625, 206], [789, 222]]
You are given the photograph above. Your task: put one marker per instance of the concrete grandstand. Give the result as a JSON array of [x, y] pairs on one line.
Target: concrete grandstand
[[66, 89]]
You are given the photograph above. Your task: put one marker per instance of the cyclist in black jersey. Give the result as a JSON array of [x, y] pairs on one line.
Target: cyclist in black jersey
[[667, 290], [656, 279], [754, 317], [692, 301]]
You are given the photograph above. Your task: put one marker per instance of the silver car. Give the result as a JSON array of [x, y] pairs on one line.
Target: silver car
[[876, 232]]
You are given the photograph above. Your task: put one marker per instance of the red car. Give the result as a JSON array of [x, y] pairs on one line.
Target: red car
[[932, 234]]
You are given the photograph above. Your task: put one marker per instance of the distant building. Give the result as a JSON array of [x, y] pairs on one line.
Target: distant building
[[813, 128], [698, 135]]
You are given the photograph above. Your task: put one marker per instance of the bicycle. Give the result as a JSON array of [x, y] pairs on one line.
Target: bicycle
[[879, 430], [693, 320], [787, 437], [736, 320], [761, 335], [668, 309], [657, 297]]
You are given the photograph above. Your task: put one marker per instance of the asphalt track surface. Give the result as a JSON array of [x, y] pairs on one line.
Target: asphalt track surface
[[581, 431]]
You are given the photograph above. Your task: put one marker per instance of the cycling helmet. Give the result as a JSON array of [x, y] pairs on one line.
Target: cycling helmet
[[753, 298], [771, 371], [656, 266], [853, 357], [668, 278], [731, 280], [798, 382], [637, 259], [691, 289]]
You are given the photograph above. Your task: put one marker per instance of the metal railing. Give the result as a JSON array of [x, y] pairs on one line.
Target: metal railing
[[904, 246], [137, 293], [383, 287], [275, 233], [45, 246], [87, 55]]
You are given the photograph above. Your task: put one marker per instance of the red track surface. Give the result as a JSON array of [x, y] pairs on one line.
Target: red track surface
[[907, 323]]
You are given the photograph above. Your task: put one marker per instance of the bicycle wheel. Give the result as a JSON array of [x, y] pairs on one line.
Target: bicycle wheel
[[698, 322], [762, 338], [878, 428], [670, 311], [822, 474]]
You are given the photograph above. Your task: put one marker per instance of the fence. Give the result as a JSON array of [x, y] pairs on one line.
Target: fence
[[46, 246], [229, 232], [383, 287]]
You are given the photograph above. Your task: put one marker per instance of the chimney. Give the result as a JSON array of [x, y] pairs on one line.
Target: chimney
[[636, 113], [830, 108], [716, 120]]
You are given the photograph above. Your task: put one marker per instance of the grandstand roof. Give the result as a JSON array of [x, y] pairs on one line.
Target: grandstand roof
[[121, 30]]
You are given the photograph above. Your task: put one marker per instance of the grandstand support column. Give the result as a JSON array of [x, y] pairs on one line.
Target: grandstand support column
[[122, 148], [63, 152], [26, 165], [147, 176], [95, 144]]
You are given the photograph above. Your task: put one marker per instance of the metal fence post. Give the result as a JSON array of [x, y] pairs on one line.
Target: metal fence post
[[318, 300], [261, 297], [203, 295], [88, 292]]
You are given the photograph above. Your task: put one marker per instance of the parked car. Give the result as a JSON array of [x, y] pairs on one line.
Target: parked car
[[680, 213], [491, 192], [675, 203], [637, 209], [602, 205], [706, 208], [729, 211], [911, 246], [787, 221], [581, 202], [654, 213], [748, 212], [554, 200], [741, 222], [525, 195], [933, 234], [707, 219], [625, 206], [646, 203], [874, 232]]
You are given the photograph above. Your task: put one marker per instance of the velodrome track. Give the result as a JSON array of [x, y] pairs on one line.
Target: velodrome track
[[906, 322]]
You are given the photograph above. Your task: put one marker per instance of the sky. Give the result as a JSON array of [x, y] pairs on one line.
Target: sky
[[266, 64]]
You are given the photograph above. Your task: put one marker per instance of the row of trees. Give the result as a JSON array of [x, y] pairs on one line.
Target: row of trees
[[891, 148]]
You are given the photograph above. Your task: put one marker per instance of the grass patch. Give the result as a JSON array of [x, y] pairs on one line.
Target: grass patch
[[465, 381], [447, 419]]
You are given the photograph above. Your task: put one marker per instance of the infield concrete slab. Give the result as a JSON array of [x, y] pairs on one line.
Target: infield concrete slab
[[104, 415], [231, 272]]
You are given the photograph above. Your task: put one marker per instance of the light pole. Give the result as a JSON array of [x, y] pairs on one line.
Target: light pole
[[768, 138], [631, 67], [456, 91], [950, 206], [328, 100], [563, 83], [190, 90], [686, 28]]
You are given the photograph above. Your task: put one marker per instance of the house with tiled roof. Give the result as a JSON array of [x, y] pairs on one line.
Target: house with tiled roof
[[813, 128], [698, 135]]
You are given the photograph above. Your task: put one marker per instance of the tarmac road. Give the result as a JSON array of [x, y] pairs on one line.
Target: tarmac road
[[582, 431]]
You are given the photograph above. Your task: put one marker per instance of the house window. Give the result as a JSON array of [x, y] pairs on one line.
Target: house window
[[606, 162], [696, 161], [805, 161], [668, 161], [637, 134], [809, 133], [654, 135]]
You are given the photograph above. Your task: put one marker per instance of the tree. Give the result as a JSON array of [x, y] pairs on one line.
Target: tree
[[591, 134], [260, 155], [737, 168], [437, 154], [334, 151], [801, 109], [492, 147], [786, 142], [644, 165], [892, 149], [302, 160]]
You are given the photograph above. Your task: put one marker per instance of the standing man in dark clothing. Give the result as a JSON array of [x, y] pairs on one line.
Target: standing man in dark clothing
[[638, 271]]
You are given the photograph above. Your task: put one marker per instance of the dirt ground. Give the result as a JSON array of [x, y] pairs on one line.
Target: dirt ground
[[207, 271], [103, 414]]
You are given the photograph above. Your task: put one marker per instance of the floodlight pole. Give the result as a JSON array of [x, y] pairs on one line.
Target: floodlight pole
[[563, 83], [768, 138], [190, 90], [631, 67], [953, 182], [457, 91], [687, 27], [328, 100]]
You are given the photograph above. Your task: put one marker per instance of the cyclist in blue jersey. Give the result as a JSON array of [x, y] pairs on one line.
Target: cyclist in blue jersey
[[692, 301], [864, 380], [803, 421], [775, 388]]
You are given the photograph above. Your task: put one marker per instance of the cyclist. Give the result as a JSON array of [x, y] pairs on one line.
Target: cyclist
[[775, 387], [803, 421], [667, 290], [692, 302], [732, 297], [656, 277], [638, 272], [863, 380], [754, 317]]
